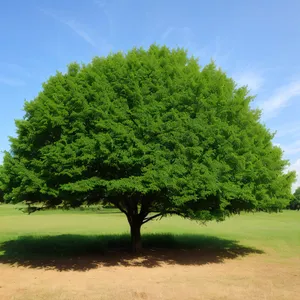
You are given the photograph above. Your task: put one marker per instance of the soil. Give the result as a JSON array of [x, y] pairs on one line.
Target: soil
[[252, 277]]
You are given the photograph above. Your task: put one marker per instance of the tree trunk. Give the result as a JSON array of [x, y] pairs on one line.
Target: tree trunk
[[136, 241]]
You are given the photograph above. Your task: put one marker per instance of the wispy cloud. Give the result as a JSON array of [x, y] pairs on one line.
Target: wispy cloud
[[101, 3], [291, 149], [280, 99], [82, 30], [11, 81], [15, 69], [180, 36], [78, 29], [220, 55], [254, 80], [13, 74], [166, 33], [291, 130]]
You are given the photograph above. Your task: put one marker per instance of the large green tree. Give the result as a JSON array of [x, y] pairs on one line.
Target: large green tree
[[150, 132]]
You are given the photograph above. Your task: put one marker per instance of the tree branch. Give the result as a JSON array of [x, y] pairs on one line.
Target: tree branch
[[175, 213], [146, 202], [163, 214], [121, 209], [151, 218], [115, 203]]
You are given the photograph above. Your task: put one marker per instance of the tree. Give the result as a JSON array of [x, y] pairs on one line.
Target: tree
[[151, 133], [295, 202], [3, 182]]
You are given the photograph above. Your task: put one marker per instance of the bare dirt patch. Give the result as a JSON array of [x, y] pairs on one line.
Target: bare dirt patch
[[251, 277]]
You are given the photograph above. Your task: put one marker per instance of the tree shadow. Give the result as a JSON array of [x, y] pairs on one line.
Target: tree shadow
[[84, 252]]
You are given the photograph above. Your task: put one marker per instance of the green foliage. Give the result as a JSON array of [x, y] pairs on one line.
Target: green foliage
[[295, 202], [4, 179], [147, 131]]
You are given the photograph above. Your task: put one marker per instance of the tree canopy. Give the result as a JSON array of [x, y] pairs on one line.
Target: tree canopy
[[150, 132]]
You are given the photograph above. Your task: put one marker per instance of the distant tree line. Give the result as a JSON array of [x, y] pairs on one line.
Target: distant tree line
[[295, 202]]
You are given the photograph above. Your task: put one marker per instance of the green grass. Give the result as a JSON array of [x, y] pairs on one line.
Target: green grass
[[56, 233]]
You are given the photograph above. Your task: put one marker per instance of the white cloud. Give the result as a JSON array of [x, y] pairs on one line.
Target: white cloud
[[296, 167], [280, 99], [252, 79], [11, 81]]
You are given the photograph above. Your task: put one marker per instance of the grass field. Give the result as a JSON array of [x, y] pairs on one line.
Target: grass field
[[83, 254]]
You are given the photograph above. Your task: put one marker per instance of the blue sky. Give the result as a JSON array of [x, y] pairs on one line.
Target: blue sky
[[253, 41]]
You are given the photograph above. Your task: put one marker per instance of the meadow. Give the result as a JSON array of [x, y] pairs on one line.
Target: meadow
[[79, 254]]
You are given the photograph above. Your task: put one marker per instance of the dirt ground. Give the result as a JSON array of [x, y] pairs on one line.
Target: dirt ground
[[251, 277]]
